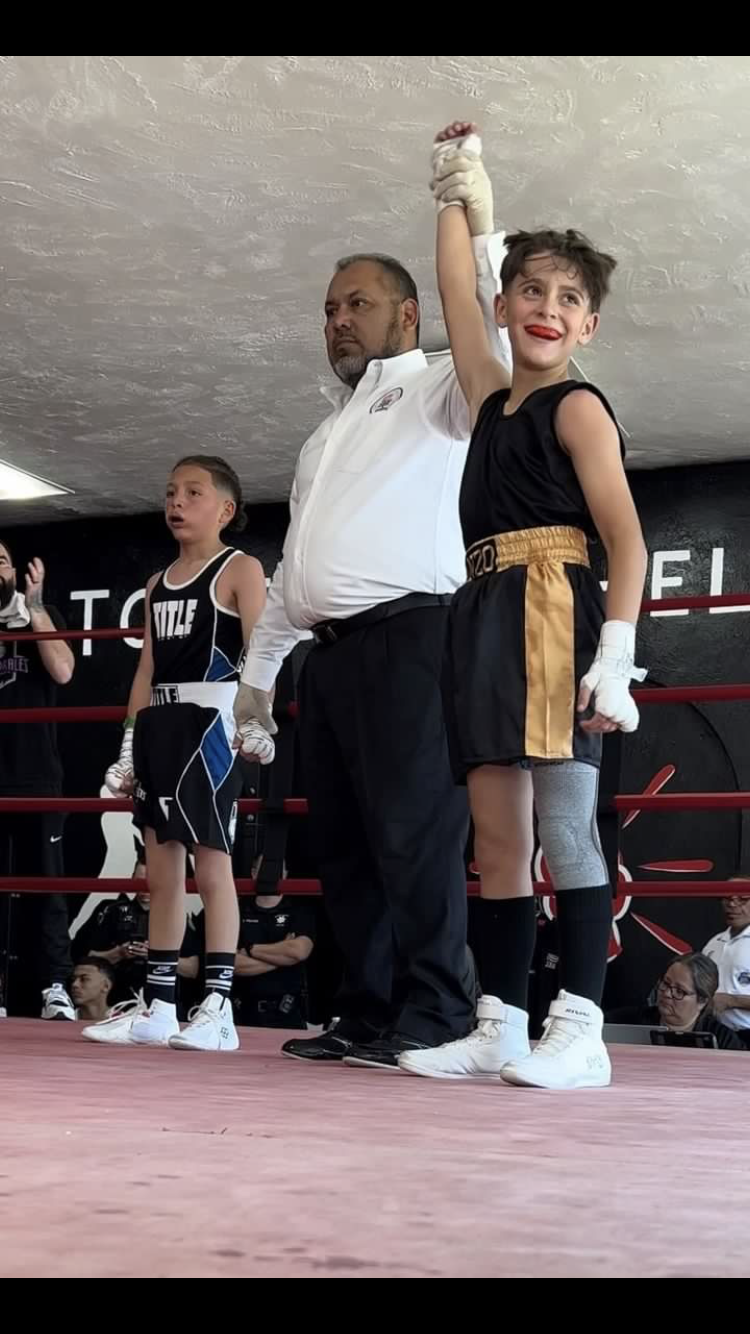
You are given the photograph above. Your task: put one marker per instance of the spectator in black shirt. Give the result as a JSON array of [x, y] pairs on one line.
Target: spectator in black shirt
[[35, 926], [276, 939], [683, 1002], [117, 932]]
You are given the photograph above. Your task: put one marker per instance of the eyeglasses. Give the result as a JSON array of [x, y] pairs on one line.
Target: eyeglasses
[[675, 993]]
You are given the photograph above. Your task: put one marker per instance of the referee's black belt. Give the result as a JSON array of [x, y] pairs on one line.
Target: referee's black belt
[[288, 1004], [330, 632]]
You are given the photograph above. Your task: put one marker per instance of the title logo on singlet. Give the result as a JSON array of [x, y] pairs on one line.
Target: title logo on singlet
[[174, 619]]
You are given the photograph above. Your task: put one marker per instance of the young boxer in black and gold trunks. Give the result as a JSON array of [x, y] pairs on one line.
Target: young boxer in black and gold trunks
[[538, 666]]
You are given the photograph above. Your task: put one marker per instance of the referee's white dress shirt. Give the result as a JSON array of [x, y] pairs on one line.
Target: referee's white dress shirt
[[731, 954], [374, 504]]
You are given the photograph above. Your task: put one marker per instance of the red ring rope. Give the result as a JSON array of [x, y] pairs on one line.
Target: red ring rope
[[116, 713], [44, 636], [106, 805], [672, 801], [645, 889], [701, 602]]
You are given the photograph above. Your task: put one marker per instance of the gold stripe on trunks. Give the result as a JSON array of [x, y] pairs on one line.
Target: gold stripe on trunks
[[567, 546], [550, 662]]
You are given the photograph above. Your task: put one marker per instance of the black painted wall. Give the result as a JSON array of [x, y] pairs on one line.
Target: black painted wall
[[702, 517], [694, 520]]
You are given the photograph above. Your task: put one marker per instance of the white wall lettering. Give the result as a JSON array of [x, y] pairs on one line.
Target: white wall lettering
[[660, 580], [88, 596], [125, 614], [717, 584]]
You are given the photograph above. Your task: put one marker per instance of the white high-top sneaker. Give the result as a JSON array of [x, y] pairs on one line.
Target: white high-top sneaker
[[501, 1035], [153, 1027], [571, 1054], [56, 1003], [210, 1028]]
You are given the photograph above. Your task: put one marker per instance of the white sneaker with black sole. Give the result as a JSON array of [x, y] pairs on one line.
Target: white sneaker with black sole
[[57, 1003], [501, 1035], [134, 1024], [210, 1027], [571, 1054]]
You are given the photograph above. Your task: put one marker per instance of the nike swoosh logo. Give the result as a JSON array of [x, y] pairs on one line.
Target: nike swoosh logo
[[59, 839]]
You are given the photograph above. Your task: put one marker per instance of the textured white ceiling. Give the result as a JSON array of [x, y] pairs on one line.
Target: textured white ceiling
[[168, 226]]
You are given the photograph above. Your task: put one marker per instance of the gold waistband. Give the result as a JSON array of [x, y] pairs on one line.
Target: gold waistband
[[529, 546]]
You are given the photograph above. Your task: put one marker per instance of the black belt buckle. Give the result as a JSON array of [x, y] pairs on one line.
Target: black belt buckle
[[326, 633]]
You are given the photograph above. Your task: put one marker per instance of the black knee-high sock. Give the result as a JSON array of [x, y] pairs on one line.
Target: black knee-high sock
[[584, 921], [505, 939], [161, 976], [219, 973]]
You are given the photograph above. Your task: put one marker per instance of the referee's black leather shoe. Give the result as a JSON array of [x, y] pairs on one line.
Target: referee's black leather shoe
[[383, 1053], [332, 1045]]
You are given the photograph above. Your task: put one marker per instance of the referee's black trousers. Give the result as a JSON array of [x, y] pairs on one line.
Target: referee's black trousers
[[389, 826]]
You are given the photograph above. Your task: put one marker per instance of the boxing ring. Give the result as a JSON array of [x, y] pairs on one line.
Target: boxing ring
[[154, 1163]]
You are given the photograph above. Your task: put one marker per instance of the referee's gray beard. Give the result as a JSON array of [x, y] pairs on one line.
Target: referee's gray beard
[[351, 368], [7, 592]]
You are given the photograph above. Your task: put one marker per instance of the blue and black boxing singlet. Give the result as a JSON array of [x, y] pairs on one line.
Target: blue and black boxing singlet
[[194, 639], [525, 628], [187, 774]]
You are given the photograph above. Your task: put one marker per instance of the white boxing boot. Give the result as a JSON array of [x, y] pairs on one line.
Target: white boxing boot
[[155, 1026], [211, 1027], [571, 1054], [133, 1023], [501, 1035]]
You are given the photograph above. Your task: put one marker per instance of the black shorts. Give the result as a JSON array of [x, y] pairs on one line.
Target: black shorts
[[187, 777], [518, 643]]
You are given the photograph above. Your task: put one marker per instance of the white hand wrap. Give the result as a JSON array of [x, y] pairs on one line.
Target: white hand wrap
[[255, 724], [459, 178], [610, 675], [118, 779], [255, 743]]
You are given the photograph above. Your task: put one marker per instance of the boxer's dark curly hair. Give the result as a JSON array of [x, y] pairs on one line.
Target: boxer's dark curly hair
[[224, 478], [572, 248]]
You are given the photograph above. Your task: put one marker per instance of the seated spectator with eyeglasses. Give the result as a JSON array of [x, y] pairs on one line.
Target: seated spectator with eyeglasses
[[682, 1002], [730, 951]]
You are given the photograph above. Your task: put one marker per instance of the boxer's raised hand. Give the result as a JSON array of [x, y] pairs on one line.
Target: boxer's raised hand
[[459, 176]]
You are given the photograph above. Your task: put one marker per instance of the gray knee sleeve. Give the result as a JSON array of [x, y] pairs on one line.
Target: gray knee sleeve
[[565, 797]]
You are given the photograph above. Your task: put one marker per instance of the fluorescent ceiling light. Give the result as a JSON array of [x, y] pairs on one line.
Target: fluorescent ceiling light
[[18, 485]]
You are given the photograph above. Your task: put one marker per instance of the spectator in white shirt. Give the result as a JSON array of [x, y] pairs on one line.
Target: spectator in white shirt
[[372, 556], [730, 951]]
